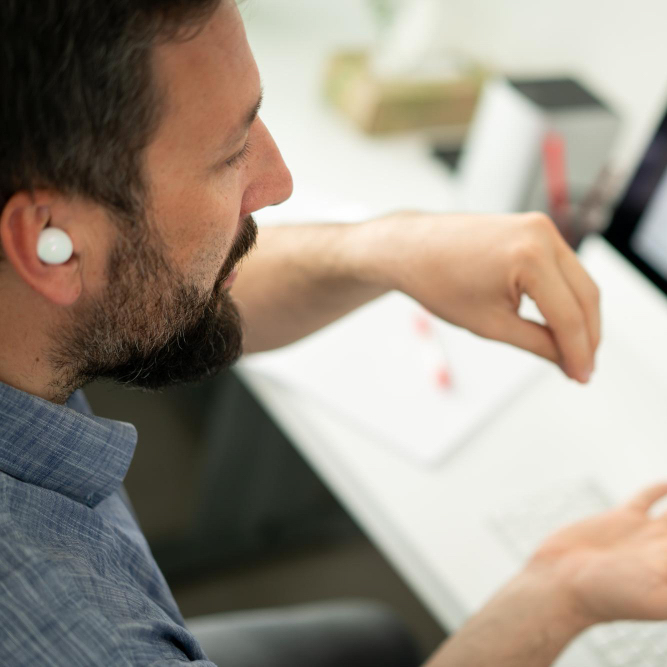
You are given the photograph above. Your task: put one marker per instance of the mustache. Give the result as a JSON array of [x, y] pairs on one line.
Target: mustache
[[244, 243]]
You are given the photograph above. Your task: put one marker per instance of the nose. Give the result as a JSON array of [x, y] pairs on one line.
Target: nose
[[271, 179]]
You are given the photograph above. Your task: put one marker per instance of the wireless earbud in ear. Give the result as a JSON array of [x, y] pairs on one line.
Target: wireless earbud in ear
[[54, 246]]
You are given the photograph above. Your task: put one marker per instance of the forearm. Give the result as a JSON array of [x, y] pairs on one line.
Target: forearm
[[300, 278], [528, 624]]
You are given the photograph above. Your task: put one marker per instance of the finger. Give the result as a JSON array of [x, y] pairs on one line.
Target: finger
[[566, 319], [529, 336], [585, 291], [643, 501]]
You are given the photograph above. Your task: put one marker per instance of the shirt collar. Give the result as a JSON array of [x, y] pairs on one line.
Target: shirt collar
[[61, 448]]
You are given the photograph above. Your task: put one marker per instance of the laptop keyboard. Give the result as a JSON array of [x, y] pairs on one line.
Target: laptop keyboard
[[524, 527]]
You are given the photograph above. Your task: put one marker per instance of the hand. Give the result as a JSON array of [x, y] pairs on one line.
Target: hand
[[472, 271], [610, 567], [615, 564]]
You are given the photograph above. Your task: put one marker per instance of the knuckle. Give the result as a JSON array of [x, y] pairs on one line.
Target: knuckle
[[531, 252], [535, 245], [540, 221]]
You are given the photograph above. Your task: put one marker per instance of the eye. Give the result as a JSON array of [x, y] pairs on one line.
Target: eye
[[240, 156]]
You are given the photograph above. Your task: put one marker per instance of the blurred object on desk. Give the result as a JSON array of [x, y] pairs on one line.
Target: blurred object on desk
[[536, 144], [410, 79], [596, 208], [379, 106]]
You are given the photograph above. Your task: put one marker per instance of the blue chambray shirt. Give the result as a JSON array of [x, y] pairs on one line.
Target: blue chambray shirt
[[78, 583]]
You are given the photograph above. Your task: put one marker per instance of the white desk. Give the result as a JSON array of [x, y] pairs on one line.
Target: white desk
[[432, 524]]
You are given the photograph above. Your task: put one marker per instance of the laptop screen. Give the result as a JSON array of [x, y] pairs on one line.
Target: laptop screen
[[650, 238], [638, 228]]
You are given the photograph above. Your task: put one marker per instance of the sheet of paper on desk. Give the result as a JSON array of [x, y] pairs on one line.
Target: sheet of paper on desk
[[376, 368]]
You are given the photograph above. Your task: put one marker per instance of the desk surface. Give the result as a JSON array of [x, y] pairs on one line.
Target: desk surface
[[433, 524]]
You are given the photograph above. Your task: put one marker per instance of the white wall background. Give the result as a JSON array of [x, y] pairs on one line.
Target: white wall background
[[619, 47]]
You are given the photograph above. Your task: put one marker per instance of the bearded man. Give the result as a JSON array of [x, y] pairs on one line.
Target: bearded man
[[132, 157]]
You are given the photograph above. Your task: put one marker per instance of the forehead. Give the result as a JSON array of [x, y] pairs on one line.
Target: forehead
[[210, 81]]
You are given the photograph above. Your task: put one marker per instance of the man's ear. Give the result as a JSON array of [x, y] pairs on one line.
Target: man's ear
[[23, 219]]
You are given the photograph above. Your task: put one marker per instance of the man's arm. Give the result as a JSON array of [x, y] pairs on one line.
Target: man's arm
[[471, 270], [527, 624], [301, 278]]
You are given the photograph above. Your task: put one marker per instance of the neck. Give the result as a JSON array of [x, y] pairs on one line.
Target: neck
[[24, 364]]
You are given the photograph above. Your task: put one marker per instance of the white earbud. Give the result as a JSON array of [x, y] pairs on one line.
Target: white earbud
[[54, 246]]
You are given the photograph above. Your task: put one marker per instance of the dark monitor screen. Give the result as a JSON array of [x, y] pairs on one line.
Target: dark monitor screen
[[638, 228]]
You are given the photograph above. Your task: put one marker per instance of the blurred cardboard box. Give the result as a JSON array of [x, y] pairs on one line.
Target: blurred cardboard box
[[386, 106]]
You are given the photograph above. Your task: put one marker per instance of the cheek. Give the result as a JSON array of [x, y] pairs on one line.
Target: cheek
[[197, 219], [203, 238]]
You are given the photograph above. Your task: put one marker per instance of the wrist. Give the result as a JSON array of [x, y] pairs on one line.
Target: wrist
[[529, 622], [534, 616], [553, 580], [571, 569], [549, 598]]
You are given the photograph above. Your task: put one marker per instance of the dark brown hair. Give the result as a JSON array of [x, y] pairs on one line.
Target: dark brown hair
[[79, 103]]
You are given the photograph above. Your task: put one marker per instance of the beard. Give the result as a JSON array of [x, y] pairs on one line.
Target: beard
[[150, 329]]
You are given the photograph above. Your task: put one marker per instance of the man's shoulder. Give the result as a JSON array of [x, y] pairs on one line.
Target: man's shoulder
[[59, 608], [49, 621], [68, 597], [46, 619]]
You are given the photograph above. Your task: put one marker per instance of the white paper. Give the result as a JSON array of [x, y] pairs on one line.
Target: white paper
[[375, 369]]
